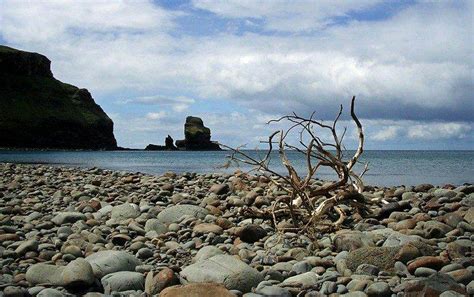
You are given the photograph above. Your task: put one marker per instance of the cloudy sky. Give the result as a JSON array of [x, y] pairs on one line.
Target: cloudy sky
[[238, 64]]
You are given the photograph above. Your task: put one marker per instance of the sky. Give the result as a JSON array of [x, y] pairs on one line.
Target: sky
[[239, 64]]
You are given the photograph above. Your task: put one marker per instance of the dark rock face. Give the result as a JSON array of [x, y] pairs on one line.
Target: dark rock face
[[169, 146], [196, 136], [38, 111], [17, 62]]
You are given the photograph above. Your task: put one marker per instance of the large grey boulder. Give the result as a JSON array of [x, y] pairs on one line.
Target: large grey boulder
[[125, 211], [123, 281], [207, 252], [105, 262], [174, 213], [45, 274], [223, 269], [78, 273]]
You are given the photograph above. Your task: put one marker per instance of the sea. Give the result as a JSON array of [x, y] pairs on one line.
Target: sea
[[386, 168]]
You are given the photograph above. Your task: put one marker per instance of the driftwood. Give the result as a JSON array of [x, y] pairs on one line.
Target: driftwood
[[308, 205]]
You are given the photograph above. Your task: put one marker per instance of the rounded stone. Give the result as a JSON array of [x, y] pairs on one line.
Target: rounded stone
[[105, 262], [123, 281], [379, 289]]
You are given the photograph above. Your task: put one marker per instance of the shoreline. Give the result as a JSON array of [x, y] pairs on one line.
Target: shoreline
[[215, 170], [57, 219]]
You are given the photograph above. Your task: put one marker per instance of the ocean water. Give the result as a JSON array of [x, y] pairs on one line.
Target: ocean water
[[386, 168]]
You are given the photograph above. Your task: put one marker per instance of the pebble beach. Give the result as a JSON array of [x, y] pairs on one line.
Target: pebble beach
[[67, 231]]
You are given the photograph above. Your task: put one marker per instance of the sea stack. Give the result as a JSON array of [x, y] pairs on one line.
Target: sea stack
[[197, 137], [40, 112], [169, 145]]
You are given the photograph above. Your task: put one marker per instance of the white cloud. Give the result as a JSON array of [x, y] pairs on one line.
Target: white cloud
[[178, 104], [156, 115], [40, 21], [388, 133], [438, 131]]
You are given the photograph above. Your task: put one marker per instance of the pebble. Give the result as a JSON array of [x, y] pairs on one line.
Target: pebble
[[379, 289], [123, 281]]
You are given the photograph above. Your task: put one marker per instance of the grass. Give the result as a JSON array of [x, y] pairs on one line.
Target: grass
[[35, 99]]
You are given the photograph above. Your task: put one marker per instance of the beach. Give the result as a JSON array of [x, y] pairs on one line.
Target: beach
[[68, 231]]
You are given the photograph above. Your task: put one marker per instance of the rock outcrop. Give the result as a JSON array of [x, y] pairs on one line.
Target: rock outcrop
[[196, 136], [169, 146], [38, 111]]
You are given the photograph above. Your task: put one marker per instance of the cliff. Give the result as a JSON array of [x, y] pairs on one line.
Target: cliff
[[39, 111]]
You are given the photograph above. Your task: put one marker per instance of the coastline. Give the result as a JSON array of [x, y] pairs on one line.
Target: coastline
[[386, 168], [53, 217]]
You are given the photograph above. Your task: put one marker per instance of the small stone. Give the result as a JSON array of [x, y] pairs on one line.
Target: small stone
[[45, 274], [358, 284], [463, 276], [351, 240], [434, 229], [451, 294], [124, 211], [469, 216], [224, 223], [306, 279], [123, 281], [424, 272], [155, 225], [200, 289], [9, 237], [27, 246], [68, 218], [205, 228], [12, 291], [219, 189], [273, 291], [105, 262], [470, 288], [174, 213], [223, 269], [251, 233], [301, 267], [207, 252], [459, 248], [120, 239], [73, 250], [434, 285], [354, 294], [379, 289], [367, 269], [155, 283], [144, 253], [382, 257], [50, 292], [426, 261], [451, 267], [78, 273]]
